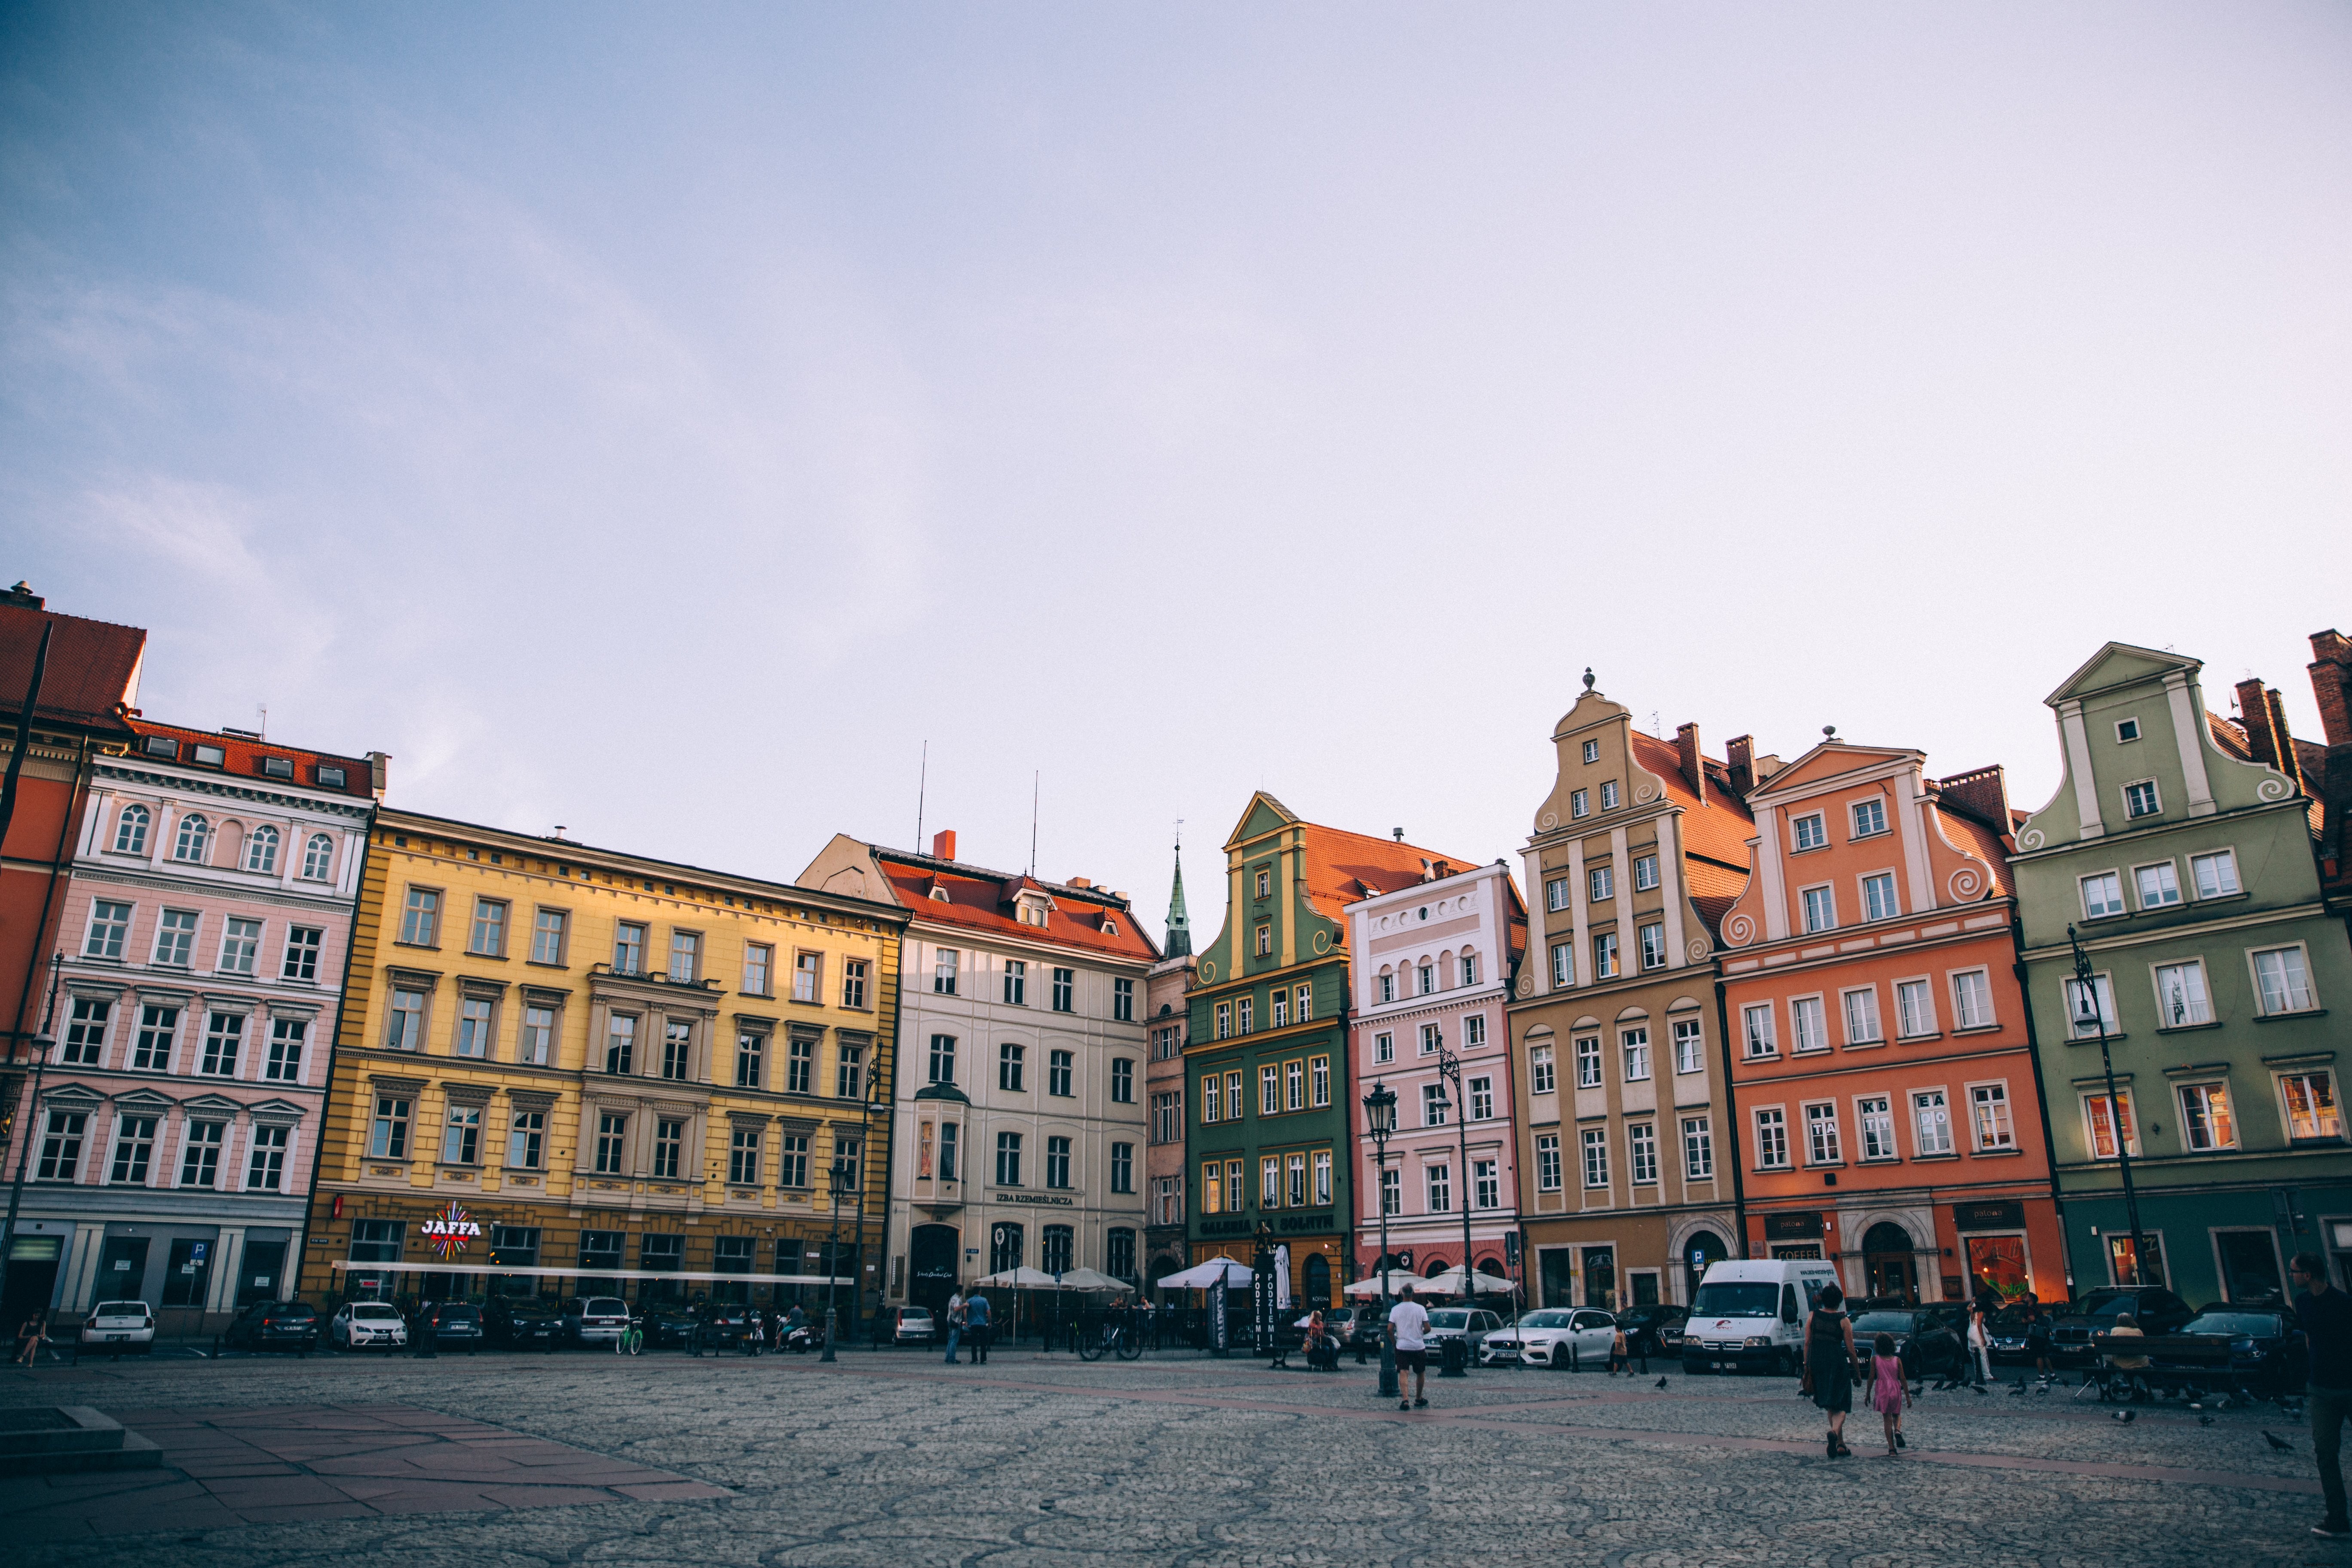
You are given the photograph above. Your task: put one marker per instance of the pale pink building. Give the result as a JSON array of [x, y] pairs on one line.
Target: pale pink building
[[199, 967], [1432, 970]]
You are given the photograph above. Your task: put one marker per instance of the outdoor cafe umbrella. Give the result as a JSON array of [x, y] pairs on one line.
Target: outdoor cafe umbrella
[[1449, 1284], [1016, 1280], [1091, 1279], [1398, 1281], [1202, 1276]]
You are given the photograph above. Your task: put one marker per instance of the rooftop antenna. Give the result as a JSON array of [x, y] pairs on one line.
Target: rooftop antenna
[[262, 724], [1033, 822], [922, 787]]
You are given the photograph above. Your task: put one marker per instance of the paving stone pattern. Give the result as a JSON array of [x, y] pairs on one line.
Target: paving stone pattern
[[896, 1459]]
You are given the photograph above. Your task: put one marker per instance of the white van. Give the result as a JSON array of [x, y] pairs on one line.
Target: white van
[[1749, 1314]]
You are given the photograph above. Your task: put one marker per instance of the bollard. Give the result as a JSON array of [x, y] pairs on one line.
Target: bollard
[[1455, 1353]]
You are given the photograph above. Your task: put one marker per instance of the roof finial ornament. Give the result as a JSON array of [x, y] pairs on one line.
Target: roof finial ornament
[[1829, 732], [1588, 680]]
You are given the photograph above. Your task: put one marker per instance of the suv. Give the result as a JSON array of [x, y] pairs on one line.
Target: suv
[[451, 1324], [594, 1320], [275, 1326], [2153, 1309], [1471, 1324]]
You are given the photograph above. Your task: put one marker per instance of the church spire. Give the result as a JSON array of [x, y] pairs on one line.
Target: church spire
[[1179, 926]]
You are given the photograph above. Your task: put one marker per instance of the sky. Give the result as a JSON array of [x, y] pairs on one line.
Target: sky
[[666, 422]]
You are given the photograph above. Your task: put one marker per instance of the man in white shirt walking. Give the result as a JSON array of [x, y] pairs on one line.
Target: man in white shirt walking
[[1409, 1329]]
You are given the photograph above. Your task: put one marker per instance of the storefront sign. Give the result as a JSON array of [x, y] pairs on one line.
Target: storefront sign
[[1305, 1222], [1035, 1198], [448, 1232], [1792, 1226], [1224, 1228], [1989, 1215]]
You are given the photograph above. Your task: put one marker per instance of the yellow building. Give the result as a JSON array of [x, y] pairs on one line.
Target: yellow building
[[556, 1063]]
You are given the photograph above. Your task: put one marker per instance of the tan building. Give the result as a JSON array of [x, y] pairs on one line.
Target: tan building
[[558, 1067], [1627, 1150], [1164, 1011]]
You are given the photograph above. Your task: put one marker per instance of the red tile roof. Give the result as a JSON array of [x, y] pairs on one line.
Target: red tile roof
[[1966, 832], [242, 757], [1719, 829], [93, 667], [981, 901], [1343, 868]]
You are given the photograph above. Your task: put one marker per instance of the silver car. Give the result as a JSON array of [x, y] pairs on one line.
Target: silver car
[[367, 1325], [124, 1328], [595, 1319], [1471, 1323]]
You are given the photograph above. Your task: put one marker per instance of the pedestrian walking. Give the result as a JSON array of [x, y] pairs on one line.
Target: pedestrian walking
[[1619, 1352], [1980, 1345], [976, 1327], [2326, 1314], [1888, 1392], [1409, 1329], [1829, 1363], [955, 1321], [2039, 1340]]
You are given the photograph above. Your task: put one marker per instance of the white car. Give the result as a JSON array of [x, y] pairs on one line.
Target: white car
[[1559, 1338], [125, 1328], [367, 1325], [1471, 1323]]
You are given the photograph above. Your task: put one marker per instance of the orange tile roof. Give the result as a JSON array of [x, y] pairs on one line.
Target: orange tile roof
[[981, 901], [1720, 828], [93, 666], [2229, 736], [1982, 842], [1343, 868], [242, 757]]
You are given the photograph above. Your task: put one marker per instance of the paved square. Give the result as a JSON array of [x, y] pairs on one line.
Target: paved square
[[896, 1459]]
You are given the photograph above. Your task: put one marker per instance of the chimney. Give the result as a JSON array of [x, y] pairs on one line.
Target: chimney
[[2290, 762], [1424, 870], [378, 769], [943, 844], [2331, 683], [1080, 882], [1693, 766], [22, 597], [1739, 757], [1982, 794], [1399, 834]]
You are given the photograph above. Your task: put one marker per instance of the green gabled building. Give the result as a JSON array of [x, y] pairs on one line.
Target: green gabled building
[[1269, 1123], [2183, 864]]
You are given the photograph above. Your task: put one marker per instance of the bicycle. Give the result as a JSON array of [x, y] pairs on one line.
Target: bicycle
[[631, 1341], [1114, 1336]]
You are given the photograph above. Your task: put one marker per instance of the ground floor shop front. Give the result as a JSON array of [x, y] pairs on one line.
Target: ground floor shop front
[[2210, 1245], [1920, 1244], [1319, 1263], [194, 1263], [1620, 1259]]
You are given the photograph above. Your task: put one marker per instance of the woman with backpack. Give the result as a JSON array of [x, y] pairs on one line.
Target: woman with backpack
[[1829, 1363]]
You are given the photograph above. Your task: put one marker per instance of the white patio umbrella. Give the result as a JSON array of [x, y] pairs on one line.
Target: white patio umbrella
[[1016, 1280], [1398, 1281], [1449, 1284], [1201, 1276], [1092, 1280]]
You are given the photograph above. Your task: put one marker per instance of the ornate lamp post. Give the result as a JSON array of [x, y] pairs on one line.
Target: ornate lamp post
[[1449, 1069], [2089, 1015], [1380, 1120], [839, 1176], [877, 1099]]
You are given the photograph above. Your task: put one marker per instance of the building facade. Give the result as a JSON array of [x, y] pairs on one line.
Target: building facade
[[1629, 1189], [204, 932], [561, 1068], [1882, 1059], [1270, 1126], [1021, 1116], [1167, 1012], [2184, 867], [1431, 977]]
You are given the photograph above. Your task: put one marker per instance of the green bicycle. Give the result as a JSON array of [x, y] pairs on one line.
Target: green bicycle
[[633, 1339]]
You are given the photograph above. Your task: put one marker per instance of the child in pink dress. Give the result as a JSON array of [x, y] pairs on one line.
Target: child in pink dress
[[1888, 1393]]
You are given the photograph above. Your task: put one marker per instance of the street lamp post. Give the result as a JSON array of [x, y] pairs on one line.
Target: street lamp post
[[1380, 1119], [839, 1176], [1449, 1067], [29, 1108], [2087, 1013], [875, 1098]]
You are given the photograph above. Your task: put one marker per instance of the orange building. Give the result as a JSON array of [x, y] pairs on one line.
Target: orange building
[[1884, 1068]]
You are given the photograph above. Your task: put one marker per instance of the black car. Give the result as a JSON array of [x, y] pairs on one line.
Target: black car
[[727, 1327], [1354, 1326], [1931, 1341], [275, 1326], [2258, 1347], [2153, 1309], [523, 1325], [670, 1325], [1654, 1329], [454, 1325]]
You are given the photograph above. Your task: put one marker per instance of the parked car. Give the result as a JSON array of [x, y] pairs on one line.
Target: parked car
[[454, 1325], [1559, 1338], [1470, 1324], [726, 1326], [594, 1320], [367, 1325], [524, 1325], [275, 1326], [1931, 1341], [1654, 1329], [913, 1326], [119, 1327], [2005, 1335], [2154, 1310], [670, 1325], [1749, 1314], [2259, 1347]]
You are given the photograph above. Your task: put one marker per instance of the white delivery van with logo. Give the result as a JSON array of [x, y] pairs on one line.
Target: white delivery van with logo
[[1749, 1314]]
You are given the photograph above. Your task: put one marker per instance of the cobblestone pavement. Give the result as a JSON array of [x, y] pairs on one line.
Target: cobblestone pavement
[[893, 1459]]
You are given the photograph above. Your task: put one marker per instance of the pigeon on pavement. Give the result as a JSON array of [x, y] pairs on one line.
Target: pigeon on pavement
[[2280, 1444], [1660, 1384], [2126, 1416]]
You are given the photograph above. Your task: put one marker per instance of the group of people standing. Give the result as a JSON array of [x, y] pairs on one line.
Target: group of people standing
[[967, 1324]]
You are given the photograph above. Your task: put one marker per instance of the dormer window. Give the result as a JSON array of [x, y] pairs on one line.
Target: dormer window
[[211, 756], [278, 767], [162, 746], [1031, 908], [1109, 926], [942, 895], [330, 778]]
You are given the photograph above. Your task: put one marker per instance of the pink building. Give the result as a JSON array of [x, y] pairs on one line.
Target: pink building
[[1432, 969], [200, 964]]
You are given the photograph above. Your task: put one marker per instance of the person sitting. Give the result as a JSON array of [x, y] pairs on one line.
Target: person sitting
[[2132, 1367], [1322, 1350]]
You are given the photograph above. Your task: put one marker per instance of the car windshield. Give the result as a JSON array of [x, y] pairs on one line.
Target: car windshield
[[2106, 1306], [291, 1310], [1451, 1320], [1544, 1320], [605, 1307], [375, 1312], [2260, 1325], [1736, 1298], [120, 1310], [916, 1314], [1882, 1323]]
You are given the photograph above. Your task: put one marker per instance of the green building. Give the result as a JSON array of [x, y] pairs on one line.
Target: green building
[[1269, 1124], [2183, 865]]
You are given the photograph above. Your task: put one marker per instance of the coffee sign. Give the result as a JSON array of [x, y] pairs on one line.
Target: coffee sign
[[448, 1231]]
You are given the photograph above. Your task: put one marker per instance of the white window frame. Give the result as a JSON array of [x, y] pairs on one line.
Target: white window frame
[[1874, 803], [1755, 1045], [1816, 1122], [1698, 1149], [1828, 908], [2228, 852], [2083, 894], [2181, 1095], [1846, 1015], [1594, 1142], [1645, 873], [2140, 891], [2302, 950], [1863, 1114], [1894, 889], [1920, 1147], [1690, 1044], [2131, 1111], [1543, 1070], [1960, 1022], [1924, 987], [2000, 1086], [1556, 895], [1587, 1062], [2195, 966], [1547, 1163], [1798, 834], [2155, 792], [1797, 1046], [1634, 1053], [1771, 1124]]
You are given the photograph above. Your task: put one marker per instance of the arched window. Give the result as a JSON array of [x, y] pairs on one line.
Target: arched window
[[130, 831], [1318, 1280], [261, 849], [318, 858], [195, 838]]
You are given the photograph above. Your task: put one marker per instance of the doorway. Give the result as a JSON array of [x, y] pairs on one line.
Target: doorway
[[257, 1276], [32, 1277], [1702, 1252], [1887, 1263], [1318, 1280], [122, 1270], [1556, 1275], [187, 1273], [1601, 1278], [933, 1254], [2249, 1265], [1643, 1283]]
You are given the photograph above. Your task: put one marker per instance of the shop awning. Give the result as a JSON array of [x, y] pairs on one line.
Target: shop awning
[[345, 1265]]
